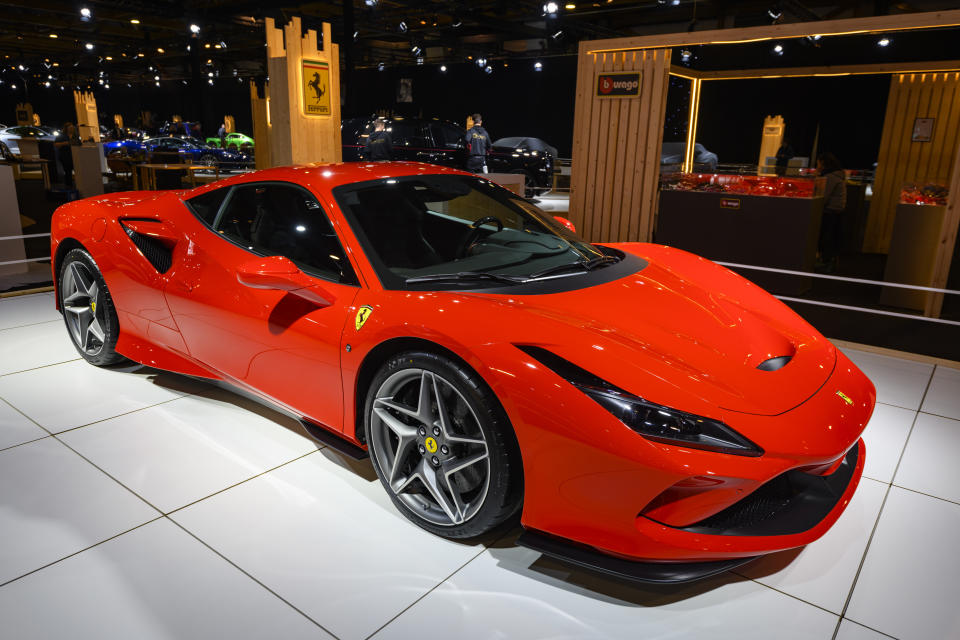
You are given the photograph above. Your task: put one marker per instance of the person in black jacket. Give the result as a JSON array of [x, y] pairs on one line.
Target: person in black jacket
[[379, 144], [478, 145]]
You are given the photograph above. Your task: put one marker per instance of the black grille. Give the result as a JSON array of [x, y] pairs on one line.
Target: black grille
[[793, 502], [153, 250]]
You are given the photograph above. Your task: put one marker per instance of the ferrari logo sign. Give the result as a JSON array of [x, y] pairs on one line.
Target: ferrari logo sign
[[315, 78], [362, 314], [844, 397], [431, 445]]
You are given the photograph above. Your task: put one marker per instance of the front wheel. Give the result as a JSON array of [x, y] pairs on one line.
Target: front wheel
[[88, 309], [442, 446]]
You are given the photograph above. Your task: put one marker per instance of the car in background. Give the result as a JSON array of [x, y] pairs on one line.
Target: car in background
[[234, 140], [671, 158], [190, 150], [11, 136], [444, 143]]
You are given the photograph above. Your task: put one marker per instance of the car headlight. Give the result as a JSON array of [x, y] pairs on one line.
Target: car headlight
[[671, 426]]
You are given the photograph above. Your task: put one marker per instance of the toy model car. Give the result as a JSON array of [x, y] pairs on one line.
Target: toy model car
[[237, 140], [442, 143], [645, 411]]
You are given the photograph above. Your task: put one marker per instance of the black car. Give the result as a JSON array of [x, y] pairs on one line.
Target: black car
[[443, 143]]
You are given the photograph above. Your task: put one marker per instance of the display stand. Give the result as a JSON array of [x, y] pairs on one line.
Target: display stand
[[29, 148], [87, 169], [10, 250], [745, 229], [514, 181], [916, 232]]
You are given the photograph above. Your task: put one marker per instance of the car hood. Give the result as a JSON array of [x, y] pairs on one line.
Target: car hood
[[683, 332]]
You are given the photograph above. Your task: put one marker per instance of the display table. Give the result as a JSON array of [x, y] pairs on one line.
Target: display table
[[10, 250], [916, 232], [20, 173], [765, 231]]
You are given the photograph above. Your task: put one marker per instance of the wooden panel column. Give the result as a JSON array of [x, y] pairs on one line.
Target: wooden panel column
[[616, 146], [912, 96], [296, 137], [948, 239], [88, 125], [260, 110]]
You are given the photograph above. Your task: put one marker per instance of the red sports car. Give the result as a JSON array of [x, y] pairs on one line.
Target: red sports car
[[646, 412]]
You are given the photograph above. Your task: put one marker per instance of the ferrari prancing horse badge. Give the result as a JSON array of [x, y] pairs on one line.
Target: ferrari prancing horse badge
[[362, 314]]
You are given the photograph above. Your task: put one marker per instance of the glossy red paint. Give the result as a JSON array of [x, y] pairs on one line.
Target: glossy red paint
[[682, 332]]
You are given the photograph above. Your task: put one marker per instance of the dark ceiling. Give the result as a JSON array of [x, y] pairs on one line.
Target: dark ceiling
[[138, 41]]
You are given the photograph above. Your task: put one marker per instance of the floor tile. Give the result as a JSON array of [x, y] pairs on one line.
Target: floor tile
[[885, 436], [929, 462], [54, 503], [151, 583], [899, 382], [178, 452], [77, 393], [822, 573], [15, 429], [511, 592], [23, 310], [853, 631], [907, 587], [943, 396], [35, 345], [322, 533]]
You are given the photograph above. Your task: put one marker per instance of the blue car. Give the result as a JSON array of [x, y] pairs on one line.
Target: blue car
[[190, 150]]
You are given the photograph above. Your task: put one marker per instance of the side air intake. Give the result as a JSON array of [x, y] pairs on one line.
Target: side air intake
[[159, 256], [774, 363]]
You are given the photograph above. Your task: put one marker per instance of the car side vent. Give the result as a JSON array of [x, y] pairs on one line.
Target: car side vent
[[774, 363], [159, 256]]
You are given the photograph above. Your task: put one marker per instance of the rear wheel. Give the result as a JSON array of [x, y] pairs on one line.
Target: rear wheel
[[208, 160], [88, 309], [442, 446]]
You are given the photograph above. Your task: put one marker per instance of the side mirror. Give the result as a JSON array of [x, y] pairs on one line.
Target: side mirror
[[565, 222], [281, 274]]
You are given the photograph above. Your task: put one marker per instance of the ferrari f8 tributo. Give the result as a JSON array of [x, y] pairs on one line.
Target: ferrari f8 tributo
[[643, 411]]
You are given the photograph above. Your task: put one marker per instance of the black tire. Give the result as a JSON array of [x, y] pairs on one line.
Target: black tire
[[96, 351], [504, 489], [5, 152]]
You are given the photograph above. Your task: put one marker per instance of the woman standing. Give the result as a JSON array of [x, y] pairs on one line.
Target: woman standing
[[68, 136], [834, 202]]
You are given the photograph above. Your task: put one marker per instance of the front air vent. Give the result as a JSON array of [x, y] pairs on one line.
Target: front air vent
[[774, 364], [159, 256]]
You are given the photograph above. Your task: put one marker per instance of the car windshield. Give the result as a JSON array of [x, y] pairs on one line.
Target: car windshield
[[457, 231]]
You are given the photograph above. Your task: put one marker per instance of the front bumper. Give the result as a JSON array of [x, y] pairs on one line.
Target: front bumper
[[791, 510]]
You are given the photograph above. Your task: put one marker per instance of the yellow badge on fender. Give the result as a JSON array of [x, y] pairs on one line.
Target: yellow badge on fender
[[845, 397], [431, 445], [362, 314], [93, 306]]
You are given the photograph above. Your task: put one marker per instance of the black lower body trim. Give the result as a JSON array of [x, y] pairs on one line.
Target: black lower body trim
[[335, 442], [648, 572]]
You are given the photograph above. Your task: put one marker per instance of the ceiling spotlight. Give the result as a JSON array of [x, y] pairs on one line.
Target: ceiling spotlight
[[195, 29], [419, 61], [209, 82], [210, 74], [381, 66], [685, 55], [21, 67], [134, 21], [100, 81], [884, 42], [89, 46], [53, 35], [774, 12], [550, 8], [13, 86], [46, 84], [488, 69], [481, 62], [160, 50], [106, 86], [443, 68], [156, 77], [416, 50], [85, 14], [675, 2], [569, 6], [456, 22], [157, 83], [538, 66], [778, 49], [371, 3], [402, 27], [557, 35]]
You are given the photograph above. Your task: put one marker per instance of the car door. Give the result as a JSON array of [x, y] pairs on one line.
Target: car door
[[281, 344]]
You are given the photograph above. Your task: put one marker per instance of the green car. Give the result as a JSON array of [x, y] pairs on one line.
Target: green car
[[237, 139]]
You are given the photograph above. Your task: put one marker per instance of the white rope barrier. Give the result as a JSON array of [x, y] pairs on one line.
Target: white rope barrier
[[30, 235], [881, 312], [22, 261]]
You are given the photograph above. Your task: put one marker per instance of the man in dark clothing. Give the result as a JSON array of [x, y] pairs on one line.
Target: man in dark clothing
[[379, 144], [478, 145], [62, 143], [222, 134]]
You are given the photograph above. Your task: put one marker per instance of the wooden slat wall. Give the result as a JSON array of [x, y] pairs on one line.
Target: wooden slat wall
[[616, 147], [261, 126], [913, 95]]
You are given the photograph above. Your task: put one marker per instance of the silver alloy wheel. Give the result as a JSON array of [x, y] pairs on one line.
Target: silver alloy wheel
[[83, 308], [208, 160], [429, 446]]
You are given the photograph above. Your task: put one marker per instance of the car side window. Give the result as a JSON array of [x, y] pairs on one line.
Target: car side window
[[447, 136], [274, 219], [207, 205]]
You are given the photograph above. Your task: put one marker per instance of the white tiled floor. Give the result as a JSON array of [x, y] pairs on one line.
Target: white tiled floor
[[140, 504]]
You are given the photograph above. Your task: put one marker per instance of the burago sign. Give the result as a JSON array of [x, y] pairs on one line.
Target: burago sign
[[618, 85]]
